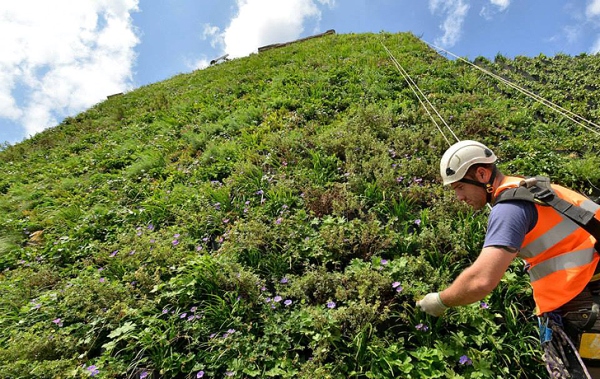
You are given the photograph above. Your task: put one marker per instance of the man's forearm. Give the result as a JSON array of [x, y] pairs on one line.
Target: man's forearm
[[478, 280], [468, 288]]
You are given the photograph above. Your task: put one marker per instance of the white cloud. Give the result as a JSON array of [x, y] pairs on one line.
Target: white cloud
[[501, 4], [60, 57], [595, 49], [198, 64], [213, 32], [593, 9], [455, 12], [497, 6], [263, 22]]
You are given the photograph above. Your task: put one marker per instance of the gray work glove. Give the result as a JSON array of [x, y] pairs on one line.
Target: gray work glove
[[432, 304]]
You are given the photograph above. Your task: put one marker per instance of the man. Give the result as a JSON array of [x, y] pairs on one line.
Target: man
[[561, 254]]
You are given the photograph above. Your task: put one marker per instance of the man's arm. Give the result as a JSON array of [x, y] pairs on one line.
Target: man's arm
[[479, 279]]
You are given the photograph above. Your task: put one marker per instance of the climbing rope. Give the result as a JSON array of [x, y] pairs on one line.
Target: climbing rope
[[555, 107], [560, 354], [420, 96]]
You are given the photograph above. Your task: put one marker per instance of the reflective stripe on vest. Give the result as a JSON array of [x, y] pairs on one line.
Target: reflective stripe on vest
[[561, 262]]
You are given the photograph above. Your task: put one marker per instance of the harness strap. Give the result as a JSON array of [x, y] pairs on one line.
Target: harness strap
[[538, 190]]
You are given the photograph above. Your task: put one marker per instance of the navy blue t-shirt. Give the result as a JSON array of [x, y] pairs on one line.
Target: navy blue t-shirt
[[509, 222]]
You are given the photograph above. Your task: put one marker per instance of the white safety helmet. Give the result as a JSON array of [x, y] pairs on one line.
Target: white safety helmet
[[462, 155]]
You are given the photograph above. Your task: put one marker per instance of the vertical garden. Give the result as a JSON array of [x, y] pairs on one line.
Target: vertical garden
[[277, 216]]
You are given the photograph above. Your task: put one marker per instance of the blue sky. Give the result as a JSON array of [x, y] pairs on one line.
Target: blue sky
[[60, 57]]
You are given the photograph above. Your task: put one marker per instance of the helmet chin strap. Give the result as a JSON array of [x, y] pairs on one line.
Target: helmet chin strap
[[488, 187]]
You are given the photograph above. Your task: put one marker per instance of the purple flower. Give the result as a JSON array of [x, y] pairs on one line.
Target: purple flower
[[230, 373], [277, 299], [484, 305], [268, 300], [58, 321], [278, 221], [464, 360], [102, 280], [175, 242], [384, 261], [260, 192], [144, 374], [183, 315], [93, 370], [150, 227], [193, 309], [418, 222], [395, 284], [331, 304], [200, 374], [422, 327], [191, 318], [230, 331], [263, 288], [114, 253], [287, 302], [165, 311], [283, 280]]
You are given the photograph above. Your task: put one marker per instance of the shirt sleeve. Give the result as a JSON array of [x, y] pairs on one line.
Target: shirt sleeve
[[509, 222]]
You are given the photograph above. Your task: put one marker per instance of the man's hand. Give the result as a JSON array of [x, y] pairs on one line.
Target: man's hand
[[432, 304]]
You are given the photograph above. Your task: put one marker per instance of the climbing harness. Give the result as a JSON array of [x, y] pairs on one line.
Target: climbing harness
[[560, 354]]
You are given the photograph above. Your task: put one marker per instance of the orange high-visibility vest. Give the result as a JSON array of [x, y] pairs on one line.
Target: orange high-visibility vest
[[560, 254]]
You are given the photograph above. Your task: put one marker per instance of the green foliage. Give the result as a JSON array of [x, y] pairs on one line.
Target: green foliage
[[278, 216]]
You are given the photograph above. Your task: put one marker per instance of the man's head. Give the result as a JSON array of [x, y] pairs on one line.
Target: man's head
[[469, 167]]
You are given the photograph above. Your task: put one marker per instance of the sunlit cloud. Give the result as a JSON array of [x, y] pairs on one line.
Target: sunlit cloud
[[263, 22], [63, 57], [593, 9], [488, 12], [595, 49], [455, 12], [502, 5]]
